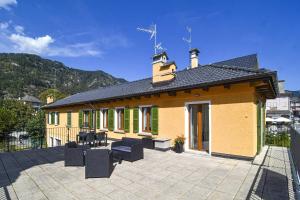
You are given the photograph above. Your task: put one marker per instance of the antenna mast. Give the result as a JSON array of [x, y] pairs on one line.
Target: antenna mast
[[189, 40], [153, 34]]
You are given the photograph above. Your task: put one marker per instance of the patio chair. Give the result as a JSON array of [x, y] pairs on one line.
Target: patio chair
[[129, 149], [102, 136], [81, 137], [90, 138], [98, 163], [74, 154]]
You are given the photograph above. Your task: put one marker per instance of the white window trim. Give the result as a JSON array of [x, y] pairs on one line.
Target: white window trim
[[116, 118], [55, 118], [101, 119], [141, 120]]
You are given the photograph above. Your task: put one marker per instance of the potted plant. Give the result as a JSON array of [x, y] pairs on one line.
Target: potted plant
[[179, 142]]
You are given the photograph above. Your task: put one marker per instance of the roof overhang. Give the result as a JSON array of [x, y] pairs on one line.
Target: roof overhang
[[268, 89]]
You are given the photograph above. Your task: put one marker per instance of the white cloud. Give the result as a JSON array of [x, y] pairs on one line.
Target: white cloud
[[3, 25], [19, 29], [14, 39], [75, 50], [31, 45], [7, 3]]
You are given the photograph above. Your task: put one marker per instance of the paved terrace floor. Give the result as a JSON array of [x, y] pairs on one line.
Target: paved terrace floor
[[40, 174]]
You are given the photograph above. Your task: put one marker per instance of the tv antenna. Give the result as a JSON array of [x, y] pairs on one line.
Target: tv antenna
[[153, 34], [189, 40]]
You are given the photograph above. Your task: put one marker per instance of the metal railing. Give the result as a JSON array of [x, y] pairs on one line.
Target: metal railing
[[21, 140], [295, 154]]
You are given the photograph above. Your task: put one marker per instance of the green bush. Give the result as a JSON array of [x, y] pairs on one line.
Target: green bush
[[279, 139]]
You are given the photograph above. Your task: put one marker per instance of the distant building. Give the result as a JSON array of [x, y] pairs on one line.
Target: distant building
[[281, 106], [295, 107], [31, 100]]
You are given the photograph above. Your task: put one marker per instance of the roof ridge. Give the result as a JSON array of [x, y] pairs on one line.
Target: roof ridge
[[238, 68]]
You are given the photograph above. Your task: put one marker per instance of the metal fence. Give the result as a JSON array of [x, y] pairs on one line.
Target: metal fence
[[21, 140], [295, 147]]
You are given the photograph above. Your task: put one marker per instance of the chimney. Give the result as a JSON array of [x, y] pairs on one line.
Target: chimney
[[50, 99], [194, 62], [162, 70]]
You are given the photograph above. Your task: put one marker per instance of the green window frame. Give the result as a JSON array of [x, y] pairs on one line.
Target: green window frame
[[127, 120], [69, 119], [136, 120], [80, 119], [98, 119], [111, 119]]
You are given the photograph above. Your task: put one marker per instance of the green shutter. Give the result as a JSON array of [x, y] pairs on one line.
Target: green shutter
[[80, 119], [258, 127], [111, 119], [57, 113], [136, 120], [69, 122], [127, 120], [98, 119], [52, 118], [91, 119], [154, 116]]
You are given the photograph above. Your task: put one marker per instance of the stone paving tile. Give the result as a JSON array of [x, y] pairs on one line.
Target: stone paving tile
[[40, 174]]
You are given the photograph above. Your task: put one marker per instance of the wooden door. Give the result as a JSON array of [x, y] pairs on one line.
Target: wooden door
[[200, 130]]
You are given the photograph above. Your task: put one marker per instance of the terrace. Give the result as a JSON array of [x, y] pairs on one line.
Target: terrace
[[40, 174]]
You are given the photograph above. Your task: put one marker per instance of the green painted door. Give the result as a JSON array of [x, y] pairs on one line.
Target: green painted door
[[259, 128]]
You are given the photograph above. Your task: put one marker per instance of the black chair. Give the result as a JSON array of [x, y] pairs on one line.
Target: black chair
[[101, 136], [74, 154], [129, 149], [98, 163], [81, 137], [90, 138]]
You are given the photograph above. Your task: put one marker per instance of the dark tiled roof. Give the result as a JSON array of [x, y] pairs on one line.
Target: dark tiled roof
[[203, 76], [33, 99], [249, 62]]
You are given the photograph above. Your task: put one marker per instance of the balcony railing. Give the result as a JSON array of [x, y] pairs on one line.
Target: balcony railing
[[21, 140]]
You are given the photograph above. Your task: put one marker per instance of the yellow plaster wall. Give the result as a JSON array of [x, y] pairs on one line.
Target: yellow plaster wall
[[233, 116]]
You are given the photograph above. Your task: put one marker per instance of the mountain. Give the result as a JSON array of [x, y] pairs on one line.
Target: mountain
[[30, 74]]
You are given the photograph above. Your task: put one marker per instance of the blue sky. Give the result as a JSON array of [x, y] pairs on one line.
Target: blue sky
[[93, 35]]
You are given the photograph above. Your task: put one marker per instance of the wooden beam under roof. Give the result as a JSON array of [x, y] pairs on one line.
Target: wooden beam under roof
[[172, 93]]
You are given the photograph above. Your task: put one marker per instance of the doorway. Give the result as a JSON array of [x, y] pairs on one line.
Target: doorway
[[198, 127]]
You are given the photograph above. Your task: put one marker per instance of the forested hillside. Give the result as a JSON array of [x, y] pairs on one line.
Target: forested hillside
[[22, 74]]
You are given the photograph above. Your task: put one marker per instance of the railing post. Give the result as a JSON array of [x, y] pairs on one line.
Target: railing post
[[68, 140]]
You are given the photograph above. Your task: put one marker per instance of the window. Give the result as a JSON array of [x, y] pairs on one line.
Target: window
[[120, 118], [86, 118], [69, 119], [105, 118], [55, 117], [146, 119], [49, 118]]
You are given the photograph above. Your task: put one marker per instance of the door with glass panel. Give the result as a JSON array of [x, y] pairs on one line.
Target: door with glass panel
[[198, 127]]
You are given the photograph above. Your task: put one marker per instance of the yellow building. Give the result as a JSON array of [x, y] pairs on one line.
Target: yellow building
[[219, 107]]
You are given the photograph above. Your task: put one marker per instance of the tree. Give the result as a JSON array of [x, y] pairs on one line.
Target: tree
[[7, 121], [36, 126], [21, 111], [54, 92]]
